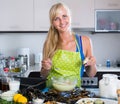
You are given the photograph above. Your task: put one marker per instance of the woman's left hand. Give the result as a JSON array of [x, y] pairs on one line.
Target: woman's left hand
[[89, 61]]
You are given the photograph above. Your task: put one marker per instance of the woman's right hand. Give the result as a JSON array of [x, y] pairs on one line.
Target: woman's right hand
[[46, 64]]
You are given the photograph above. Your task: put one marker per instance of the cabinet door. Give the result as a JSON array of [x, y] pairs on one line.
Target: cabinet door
[[107, 4], [82, 13], [41, 15], [16, 15]]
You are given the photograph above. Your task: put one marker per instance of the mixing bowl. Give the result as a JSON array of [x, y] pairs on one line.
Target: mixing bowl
[[64, 83]]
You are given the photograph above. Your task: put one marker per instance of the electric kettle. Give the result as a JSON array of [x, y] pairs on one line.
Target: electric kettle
[[108, 86]]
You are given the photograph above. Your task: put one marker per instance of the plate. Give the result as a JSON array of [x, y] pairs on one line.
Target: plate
[[106, 101]]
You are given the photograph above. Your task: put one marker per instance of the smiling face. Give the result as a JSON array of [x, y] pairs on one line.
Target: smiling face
[[62, 21], [60, 18]]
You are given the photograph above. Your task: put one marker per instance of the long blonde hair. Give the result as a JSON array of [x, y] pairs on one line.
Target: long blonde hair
[[50, 45]]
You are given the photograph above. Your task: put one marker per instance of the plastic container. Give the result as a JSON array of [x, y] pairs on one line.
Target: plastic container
[[108, 63]]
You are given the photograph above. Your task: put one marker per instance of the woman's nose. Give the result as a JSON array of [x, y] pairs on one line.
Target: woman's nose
[[61, 21]]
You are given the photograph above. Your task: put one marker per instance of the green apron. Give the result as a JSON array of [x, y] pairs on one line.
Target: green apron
[[65, 63]]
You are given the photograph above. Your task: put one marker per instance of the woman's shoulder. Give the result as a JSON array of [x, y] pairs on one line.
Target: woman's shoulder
[[85, 37], [86, 40]]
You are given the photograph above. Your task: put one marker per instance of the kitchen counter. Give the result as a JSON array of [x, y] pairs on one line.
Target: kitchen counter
[[34, 68], [108, 69], [37, 68]]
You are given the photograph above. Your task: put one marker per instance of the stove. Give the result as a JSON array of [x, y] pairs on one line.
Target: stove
[[89, 82], [93, 82]]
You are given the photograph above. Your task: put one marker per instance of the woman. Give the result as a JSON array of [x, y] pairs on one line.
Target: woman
[[64, 51]]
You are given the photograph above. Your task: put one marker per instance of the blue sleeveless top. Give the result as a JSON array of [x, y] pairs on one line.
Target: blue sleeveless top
[[80, 48]]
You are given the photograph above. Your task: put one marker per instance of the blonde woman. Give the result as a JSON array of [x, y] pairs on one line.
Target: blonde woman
[[65, 51]]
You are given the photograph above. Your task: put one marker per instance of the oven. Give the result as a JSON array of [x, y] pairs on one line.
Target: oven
[[93, 82]]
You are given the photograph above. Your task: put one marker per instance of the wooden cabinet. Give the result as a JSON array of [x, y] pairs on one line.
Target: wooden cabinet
[[107, 4], [16, 15]]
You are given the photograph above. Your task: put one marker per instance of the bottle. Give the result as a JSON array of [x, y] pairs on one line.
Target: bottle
[[12, 64], [108, 63]]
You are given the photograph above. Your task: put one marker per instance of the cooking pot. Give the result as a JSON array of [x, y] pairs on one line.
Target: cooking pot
[[108, 86]]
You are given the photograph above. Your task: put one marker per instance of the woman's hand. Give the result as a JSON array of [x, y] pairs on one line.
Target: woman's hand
[[90, 66], [46, 64], [89, 61]]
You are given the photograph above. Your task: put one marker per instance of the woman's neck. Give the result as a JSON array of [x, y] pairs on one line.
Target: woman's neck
[[65, 37]]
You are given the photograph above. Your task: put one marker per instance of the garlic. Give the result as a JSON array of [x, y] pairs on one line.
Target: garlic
[[85, 60]]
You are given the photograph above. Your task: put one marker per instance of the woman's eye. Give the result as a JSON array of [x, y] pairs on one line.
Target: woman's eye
[[56, 19], [64, 16]]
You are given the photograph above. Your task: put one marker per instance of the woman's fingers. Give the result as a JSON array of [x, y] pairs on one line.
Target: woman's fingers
[[46, 64]]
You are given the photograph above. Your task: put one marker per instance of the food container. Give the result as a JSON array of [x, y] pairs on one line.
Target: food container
[[64, 83], [108, 86]]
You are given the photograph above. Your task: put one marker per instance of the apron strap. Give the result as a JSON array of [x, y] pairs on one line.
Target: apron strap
[[80, 49]]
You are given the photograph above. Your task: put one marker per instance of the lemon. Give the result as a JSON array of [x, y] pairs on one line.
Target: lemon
[[22, 99], [16, 96]]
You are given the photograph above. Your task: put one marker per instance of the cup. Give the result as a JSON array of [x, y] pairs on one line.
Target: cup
[[4, 83], [14, 84]]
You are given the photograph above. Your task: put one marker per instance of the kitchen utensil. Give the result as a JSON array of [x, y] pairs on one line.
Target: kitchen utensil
[[108, 86], [24, 55], [64, 83]]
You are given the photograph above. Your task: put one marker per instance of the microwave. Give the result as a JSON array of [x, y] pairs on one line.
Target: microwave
[[107, 20]]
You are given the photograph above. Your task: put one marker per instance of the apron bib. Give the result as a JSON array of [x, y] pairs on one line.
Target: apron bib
[[65, 63]]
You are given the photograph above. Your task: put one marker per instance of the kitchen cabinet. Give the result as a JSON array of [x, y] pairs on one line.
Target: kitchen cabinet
[[107, 20], [33, 15], [16, 15], [107, 4], [82, 13], [41, 15]]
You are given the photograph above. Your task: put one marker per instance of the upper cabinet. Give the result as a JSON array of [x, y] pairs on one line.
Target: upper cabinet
[[33, 15], [82, 13], [81, 10], [41, 15], [107, 4], [16, 15]]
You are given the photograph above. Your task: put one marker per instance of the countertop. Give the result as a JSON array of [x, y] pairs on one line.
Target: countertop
[[37, 68]]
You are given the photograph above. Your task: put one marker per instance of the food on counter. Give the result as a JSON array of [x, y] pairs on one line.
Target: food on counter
[[51, 102], [8, 95], [118, 95], [85, 60], [91, 101], [98, 101], [38, 101], [15, 97], [19, 98]]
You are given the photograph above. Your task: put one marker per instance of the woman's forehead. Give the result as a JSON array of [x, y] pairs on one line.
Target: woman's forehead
[[61, 10]]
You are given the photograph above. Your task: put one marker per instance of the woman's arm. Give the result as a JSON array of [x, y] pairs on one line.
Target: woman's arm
[[90, 65]]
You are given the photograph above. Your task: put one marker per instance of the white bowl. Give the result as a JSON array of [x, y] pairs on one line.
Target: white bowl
[[8, 95], [64, 84], [38, 101]]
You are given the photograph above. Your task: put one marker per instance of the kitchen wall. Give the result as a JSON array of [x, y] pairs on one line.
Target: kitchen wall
[[105, 45]]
